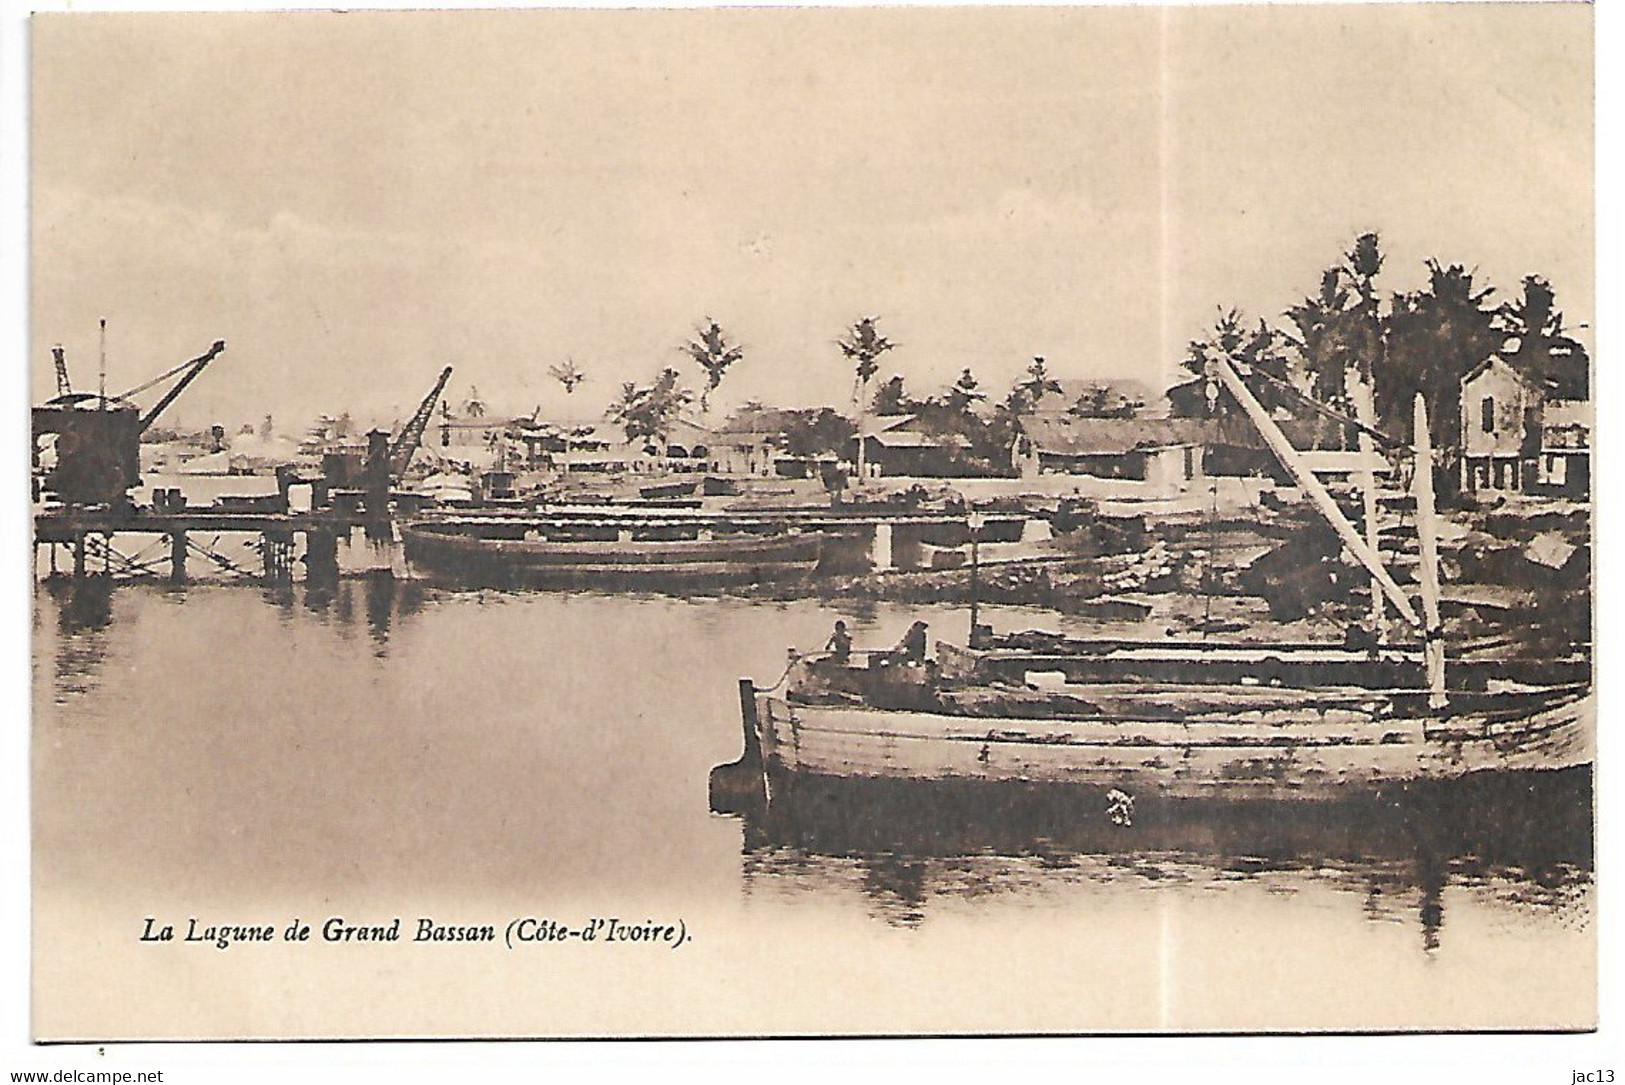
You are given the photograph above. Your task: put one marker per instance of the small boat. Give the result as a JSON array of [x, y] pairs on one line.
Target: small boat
[[666, 490], [612, 558]]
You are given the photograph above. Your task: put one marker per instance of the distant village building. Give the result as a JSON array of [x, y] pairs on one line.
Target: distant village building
[[469, 431], [580, 445], [751, 441], [1232, 446], [1524, 434], [686, 446], [1164, 453], [601, 446], [898, 446]]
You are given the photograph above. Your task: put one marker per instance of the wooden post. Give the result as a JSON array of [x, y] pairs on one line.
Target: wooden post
[[747, 716], [862, 464], [881, 556], [1312, 487], [975, 585], [79, 555], [1365, 411], [177, 557], [1427, 530], [321, 557]]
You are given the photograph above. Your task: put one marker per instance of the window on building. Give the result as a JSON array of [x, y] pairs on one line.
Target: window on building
[[1486, 413]]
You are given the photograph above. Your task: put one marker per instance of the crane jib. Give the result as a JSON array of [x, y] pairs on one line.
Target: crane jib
[[411, 435]]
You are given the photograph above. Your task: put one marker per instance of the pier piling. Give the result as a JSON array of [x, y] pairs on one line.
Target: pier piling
[[321, 556], [177, 557]]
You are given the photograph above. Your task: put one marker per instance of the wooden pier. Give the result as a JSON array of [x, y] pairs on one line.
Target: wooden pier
[[172, 530], [173, 541]]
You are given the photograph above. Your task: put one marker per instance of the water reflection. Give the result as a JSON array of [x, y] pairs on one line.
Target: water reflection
[[1523, 845], [84, 613], [83, 603], [388, 601], [84, 609], [493, 751]]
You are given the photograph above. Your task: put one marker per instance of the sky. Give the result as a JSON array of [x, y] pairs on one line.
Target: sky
[[354, 200]]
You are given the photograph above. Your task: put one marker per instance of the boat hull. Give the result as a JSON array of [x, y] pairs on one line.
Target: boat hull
[[1302, 754], [691, 563]]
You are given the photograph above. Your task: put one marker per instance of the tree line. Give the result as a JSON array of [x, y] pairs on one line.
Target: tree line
[[646, 413], [1397, 344], [1347, 332]]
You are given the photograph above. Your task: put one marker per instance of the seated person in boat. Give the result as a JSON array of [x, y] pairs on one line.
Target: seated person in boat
[[911, 649], [840, 645]]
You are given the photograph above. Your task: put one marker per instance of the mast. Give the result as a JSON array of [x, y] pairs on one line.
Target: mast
[[973, 521], [1278, 444], [101, 384], [1427, 532], [1364, 410]]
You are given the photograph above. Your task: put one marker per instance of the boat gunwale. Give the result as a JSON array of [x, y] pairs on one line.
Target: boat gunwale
[[745, 549], [1557, 699]]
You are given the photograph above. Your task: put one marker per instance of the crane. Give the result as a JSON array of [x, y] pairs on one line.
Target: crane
[[98, 437], [411, 435], [62, 386], [188, 370]]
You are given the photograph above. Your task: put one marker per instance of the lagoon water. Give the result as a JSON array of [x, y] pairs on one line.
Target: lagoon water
[[243, 755]]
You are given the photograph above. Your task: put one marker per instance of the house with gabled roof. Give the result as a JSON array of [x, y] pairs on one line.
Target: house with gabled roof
[[899, 445], [750, 440], [1525, 432], [1163, 453]]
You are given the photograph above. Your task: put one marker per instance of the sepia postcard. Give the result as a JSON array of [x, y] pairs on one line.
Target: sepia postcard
[[812, 522]]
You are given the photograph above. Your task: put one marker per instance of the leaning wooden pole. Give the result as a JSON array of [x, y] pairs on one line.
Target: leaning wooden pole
[[1365, 411], [1312, 487], [1427, 532]]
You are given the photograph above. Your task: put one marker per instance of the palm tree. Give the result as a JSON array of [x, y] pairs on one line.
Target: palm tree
[[966, 390], [1434, 338], [863, 346], [714, 354], [1538, 344], [570, 376], [1368, 343], [1322, 341], [1252, 349], [1024, 395], [647, 414], [890, 397], [1340, 330], [1362, 263]]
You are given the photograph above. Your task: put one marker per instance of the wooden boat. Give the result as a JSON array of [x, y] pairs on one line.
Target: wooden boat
[[611, 561], [1130, 719], [1207, 736], [666, 490]]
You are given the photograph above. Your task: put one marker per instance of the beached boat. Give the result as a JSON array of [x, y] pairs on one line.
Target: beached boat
[[460, 553], [1126, 720]]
